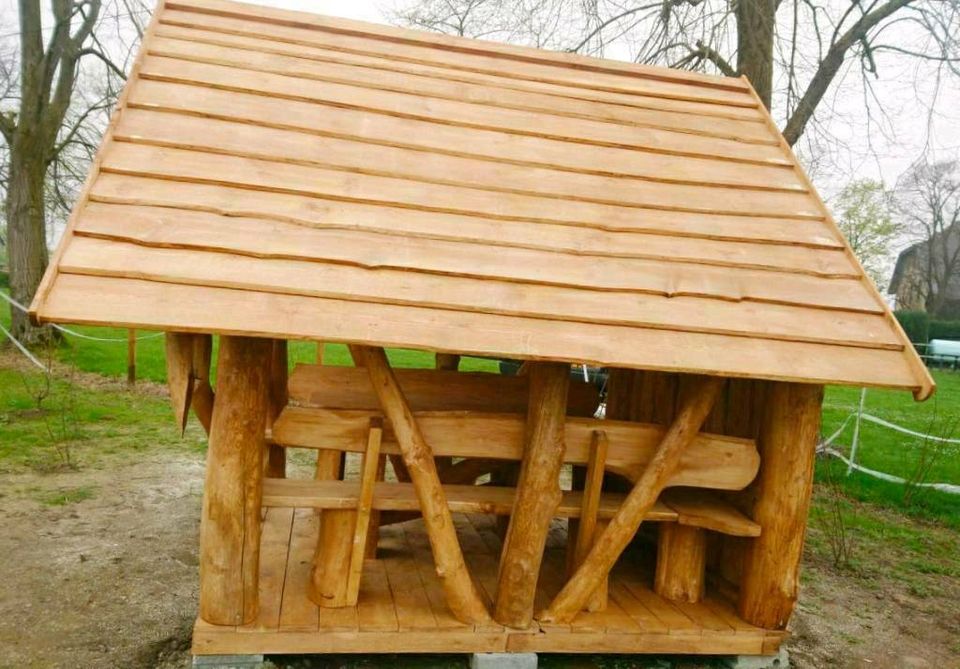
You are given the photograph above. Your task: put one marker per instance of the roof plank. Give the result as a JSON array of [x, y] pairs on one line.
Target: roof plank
[[567, 239], [202, 98], [198, 266], [241, 71], [626, 238], [377, 251], [248, 140], [275, 173], [281, 177], [525, 60], [441, 82], [127, 303]]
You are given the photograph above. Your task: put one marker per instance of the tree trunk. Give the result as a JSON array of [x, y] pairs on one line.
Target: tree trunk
[[26, 234], [755, 28]]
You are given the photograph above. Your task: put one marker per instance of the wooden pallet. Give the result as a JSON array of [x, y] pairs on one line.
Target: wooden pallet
[[401, 608]]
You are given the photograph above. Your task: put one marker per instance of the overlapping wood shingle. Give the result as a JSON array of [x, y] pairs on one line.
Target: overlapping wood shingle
[[288, 175]]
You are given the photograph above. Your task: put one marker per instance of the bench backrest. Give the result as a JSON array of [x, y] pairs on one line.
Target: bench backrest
[[427, 390]]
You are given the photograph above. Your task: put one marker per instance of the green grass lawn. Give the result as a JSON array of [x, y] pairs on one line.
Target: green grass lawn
[[901, 455], [109, 358]]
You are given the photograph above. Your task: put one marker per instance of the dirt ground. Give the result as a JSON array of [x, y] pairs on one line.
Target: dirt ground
[[110, 582]]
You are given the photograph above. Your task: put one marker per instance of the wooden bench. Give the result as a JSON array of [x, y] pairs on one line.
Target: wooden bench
[[704, 510], [479, 417]]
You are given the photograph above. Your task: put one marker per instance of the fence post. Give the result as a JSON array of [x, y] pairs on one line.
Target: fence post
[[856, 431], [131, 357]]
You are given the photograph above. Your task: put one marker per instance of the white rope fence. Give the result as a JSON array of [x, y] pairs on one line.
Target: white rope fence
[[23, 349], [826, 447], [74, 333]]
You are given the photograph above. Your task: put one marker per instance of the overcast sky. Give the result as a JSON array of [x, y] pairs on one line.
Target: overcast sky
[[881, 151], [857, 148], [892, 147]]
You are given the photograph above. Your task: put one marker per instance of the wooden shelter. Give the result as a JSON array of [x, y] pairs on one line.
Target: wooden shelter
[[273, 175]]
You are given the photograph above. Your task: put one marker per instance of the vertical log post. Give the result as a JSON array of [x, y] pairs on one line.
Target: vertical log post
[[131, 356], [368, 478], [787, 443], [331, 559], [693, 411], [277, 455], [462, 595], [587, 528], [449, 362], [331, 563], [373, 529], [230, 520], [538, 494], [681, 562]]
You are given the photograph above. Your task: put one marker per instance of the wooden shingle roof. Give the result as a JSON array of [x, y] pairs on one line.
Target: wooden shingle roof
[[289, 175]]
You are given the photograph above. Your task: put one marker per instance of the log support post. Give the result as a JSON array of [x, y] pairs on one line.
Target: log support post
[[681, 562], [230, 519], [694, 408], [331, 562], [538, 494], [277, 455], [462, 594], [787, 443]]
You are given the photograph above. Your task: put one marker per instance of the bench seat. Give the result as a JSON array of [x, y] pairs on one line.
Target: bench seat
[[691, 508]]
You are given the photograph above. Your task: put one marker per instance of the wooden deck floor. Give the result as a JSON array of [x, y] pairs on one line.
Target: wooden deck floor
[[401, 606]]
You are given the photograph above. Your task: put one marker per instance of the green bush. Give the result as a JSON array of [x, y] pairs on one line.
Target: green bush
[[916, 324], [944, 330]]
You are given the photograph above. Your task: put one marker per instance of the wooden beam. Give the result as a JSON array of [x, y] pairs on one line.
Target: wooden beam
[[788, 437], [681, 562], [712, 461], [538, 494], [188, 376], [587, 525], [428, 390], [230, 519], [694, 408], [179, 359], [277, 455], [402, 497], [463, 597], [368, 477]]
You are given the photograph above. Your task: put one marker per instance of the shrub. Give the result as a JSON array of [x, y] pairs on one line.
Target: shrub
[[944, 330], [916, 324]]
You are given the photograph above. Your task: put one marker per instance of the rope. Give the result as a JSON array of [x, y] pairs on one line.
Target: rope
[[23, 349], [898, 428], [74, 333], [948, 488]]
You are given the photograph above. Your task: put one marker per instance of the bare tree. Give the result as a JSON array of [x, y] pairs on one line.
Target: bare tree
[[929, 202], [50, 123], [792, 51]]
